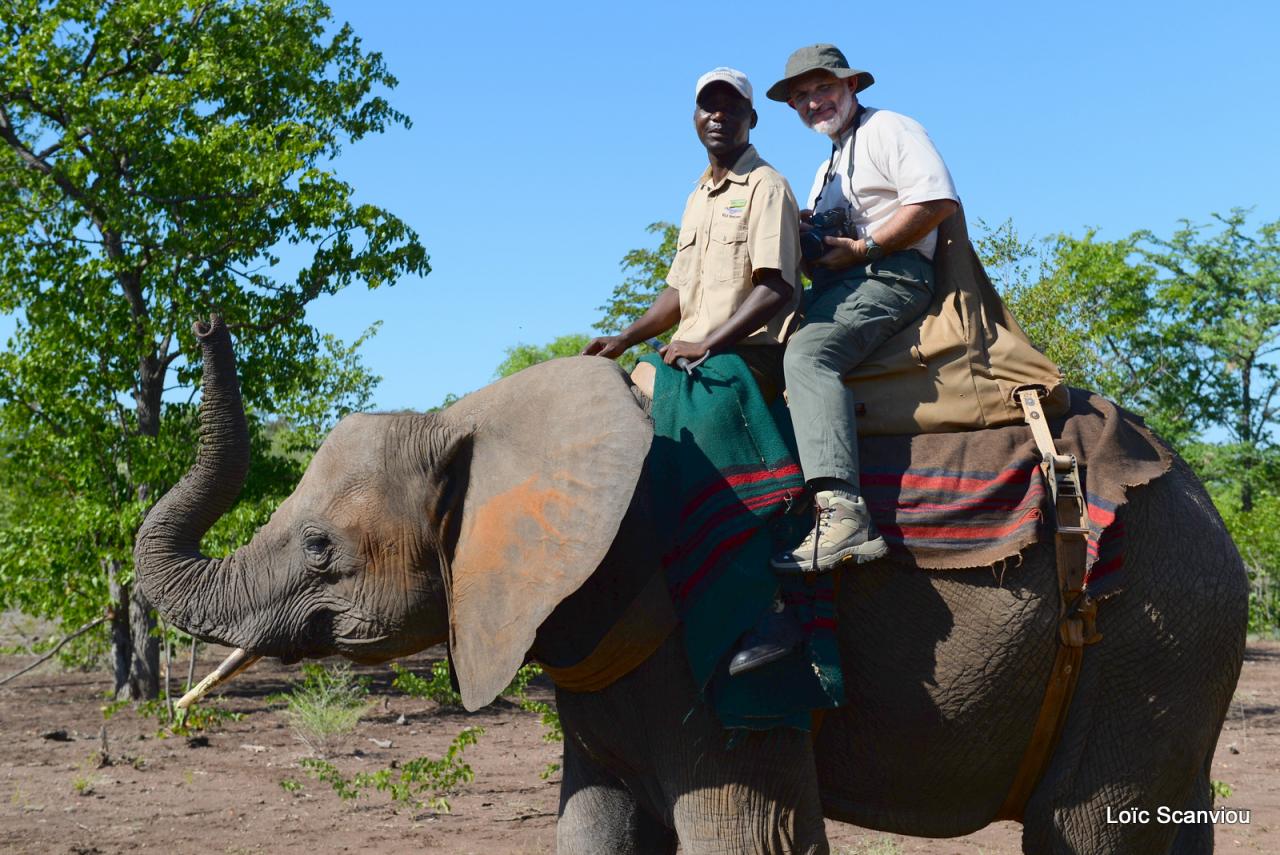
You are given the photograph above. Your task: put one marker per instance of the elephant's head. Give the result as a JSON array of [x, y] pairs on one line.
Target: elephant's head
[[407, 529]]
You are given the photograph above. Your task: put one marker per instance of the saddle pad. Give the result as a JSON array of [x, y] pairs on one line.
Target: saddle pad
[[973, 499]]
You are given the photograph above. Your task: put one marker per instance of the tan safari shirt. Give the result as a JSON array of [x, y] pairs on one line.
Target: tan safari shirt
[[749, 221]]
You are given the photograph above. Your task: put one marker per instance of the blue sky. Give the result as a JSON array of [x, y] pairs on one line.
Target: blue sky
[[547, 136]]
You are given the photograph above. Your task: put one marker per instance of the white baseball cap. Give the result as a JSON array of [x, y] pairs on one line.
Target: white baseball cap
[[724, 74]]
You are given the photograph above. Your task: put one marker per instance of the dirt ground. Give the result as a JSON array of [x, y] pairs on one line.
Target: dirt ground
[[226, 796]]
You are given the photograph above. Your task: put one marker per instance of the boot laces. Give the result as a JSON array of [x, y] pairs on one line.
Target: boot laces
[[821, 520]]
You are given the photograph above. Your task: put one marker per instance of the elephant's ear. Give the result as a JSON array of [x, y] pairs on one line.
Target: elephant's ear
[[556, 453]]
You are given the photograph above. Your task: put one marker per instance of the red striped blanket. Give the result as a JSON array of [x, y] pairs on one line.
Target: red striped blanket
[[949, 501]]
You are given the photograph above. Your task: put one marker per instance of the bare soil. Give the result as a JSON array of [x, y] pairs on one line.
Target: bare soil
[[226, 796]]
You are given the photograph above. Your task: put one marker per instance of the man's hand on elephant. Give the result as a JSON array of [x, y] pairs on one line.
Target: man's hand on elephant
[[690, 350], [844, 252], [608, 346], [657, 319]]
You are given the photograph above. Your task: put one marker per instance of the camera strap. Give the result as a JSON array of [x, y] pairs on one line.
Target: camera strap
[[835, 150]]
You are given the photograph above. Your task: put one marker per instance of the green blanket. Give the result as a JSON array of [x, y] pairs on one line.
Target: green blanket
[[724, 475]]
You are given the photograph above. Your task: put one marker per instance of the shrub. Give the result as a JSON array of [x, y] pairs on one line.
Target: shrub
[[193, 721], [546, 713], [324, 708], [421, 782], [436, 688], [1257, 535]]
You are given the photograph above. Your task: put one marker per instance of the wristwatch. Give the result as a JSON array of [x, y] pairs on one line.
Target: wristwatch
[[875, 251]]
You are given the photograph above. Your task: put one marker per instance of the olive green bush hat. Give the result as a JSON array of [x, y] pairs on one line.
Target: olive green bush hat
[[816, 58]]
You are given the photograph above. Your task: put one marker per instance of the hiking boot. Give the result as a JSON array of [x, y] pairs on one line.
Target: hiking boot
[[843, 532], [775, 636]]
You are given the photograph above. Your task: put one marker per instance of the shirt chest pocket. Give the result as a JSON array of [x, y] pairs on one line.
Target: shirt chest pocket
[[727, 256], [685, 263]]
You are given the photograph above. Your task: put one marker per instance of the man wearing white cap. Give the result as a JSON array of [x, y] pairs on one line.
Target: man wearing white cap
[[734, 281]]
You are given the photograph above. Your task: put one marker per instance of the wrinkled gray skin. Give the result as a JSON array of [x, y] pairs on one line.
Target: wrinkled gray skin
[[945, 670]]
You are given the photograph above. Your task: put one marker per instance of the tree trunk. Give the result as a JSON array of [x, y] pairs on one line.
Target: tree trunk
[[134, 645], [121, 641], [1246, 436], [135, 649], [151, 374], [144, 673]]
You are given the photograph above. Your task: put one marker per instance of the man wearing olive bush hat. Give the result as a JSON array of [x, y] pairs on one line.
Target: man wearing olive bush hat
[[871, 278]]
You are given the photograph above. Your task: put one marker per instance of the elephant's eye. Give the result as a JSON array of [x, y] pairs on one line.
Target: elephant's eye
[[317, 546]]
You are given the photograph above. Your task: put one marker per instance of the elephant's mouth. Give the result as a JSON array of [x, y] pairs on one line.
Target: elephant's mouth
[[346, 642], [355, 633], [368, 651]]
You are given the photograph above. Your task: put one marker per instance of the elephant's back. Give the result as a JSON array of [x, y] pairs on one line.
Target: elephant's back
[[945, 670]]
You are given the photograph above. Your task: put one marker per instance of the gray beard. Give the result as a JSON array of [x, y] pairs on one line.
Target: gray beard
[[832, 127]]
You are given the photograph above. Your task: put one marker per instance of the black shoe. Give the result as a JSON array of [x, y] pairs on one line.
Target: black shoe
[[776, 636]]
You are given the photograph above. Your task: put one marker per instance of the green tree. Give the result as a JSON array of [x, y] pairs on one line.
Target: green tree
[[1220, 286], [646, 276], [1222, 294], [1184, 330], [158, 160], [521, 356], [1094, 307], [1257, 534]]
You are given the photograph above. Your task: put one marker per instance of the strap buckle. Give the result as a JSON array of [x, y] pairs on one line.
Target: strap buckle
[[1079, 626], [1061, 471]]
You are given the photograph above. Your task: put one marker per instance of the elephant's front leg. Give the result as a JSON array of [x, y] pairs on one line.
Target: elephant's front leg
[[725, 792], [758, 796], [599, 814]]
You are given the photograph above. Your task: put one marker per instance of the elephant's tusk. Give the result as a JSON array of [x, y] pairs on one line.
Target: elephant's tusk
[[239, 660]]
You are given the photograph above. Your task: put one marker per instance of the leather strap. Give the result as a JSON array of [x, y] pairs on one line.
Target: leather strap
[[644, 625], [1077, 612]]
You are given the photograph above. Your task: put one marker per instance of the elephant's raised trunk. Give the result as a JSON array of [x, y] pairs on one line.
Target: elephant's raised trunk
[[190, 590]]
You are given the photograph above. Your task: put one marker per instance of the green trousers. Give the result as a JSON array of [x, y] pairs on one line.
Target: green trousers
[[847, 315]]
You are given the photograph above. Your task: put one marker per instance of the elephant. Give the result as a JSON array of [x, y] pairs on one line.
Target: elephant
[[514, 525]]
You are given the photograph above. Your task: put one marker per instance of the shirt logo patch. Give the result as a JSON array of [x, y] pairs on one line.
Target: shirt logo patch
[[734, 209]]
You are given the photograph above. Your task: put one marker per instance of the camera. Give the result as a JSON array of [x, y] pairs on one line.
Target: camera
[[833, 223]]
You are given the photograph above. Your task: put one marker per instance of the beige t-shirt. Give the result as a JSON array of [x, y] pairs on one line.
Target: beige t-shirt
[[748, 221], [894, 163]]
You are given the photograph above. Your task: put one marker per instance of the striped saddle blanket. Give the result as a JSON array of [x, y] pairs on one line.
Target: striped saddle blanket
[[951, 501]]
